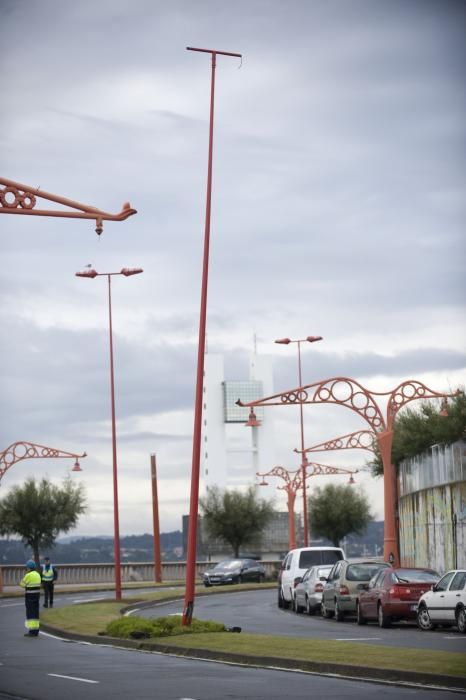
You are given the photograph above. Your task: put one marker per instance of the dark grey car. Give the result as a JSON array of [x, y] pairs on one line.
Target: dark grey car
[[231, 571]]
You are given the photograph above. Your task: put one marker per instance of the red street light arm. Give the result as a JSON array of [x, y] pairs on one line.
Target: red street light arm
[[214, 51], [350, 393], [360, 439], [327, 470], [16, 198], [31, 450], [293, 479]]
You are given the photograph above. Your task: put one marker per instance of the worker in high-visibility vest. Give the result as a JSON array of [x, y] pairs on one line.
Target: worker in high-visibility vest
[[49, 576], [31, 584]]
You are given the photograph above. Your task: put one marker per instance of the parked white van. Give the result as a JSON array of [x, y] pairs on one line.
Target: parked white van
[[296, 563]]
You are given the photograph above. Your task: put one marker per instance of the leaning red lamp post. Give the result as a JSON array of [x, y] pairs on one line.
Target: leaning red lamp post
[[347, 392], [196, 454], [126, 272]]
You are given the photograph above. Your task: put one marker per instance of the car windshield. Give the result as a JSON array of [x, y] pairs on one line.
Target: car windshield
[[364, 571], [309, 558], [416, 575], [228, 564]]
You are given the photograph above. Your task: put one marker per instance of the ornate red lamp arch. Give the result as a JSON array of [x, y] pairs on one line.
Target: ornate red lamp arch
[[294, 482], [347, 392]]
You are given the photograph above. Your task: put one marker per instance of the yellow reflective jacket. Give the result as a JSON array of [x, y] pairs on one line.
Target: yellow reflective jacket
[[31, 582]]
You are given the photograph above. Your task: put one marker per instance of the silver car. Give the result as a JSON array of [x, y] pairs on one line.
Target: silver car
[[308, 592]]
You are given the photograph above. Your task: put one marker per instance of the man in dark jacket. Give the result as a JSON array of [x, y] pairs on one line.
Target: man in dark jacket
[[49, 576]]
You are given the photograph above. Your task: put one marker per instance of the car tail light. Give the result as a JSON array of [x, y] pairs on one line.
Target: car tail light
[[344, 590], [404, 592], [318, 588]]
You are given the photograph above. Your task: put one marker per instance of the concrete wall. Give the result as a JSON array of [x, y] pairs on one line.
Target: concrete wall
[[433, 519]]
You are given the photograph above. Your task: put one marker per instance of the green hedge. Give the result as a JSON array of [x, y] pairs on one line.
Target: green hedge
[[141, 628]]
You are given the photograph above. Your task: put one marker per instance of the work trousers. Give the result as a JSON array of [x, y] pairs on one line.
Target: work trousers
[[48, 593], [32, 613]]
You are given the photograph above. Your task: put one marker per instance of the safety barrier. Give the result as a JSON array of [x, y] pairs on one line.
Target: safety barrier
[[130, 572]]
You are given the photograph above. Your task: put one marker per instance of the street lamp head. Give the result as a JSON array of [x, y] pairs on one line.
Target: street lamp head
[[351, 480], [128, 271], [313, 338], [263, 483], [77, 467], [283, 341], [87, 273], [444, 408], [252, 420]]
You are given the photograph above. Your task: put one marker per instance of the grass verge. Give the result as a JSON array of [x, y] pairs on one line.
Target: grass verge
[[92, 618], [317, 650]]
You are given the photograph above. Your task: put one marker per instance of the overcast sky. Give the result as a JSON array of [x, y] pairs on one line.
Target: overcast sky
[[338, 210]]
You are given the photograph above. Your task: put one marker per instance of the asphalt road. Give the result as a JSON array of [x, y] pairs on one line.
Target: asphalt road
[[257, 611], [48, 668]]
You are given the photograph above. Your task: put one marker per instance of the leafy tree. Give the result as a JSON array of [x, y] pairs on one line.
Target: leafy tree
[[415, 430], [236, 518], [39, 512], [337, 510]]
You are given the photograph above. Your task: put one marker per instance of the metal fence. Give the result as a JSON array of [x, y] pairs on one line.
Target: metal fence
[[441, 464]]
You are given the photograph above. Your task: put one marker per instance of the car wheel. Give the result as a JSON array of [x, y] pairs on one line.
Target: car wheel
[[325, 612], [207, 584], [360, 619], [383, 619], [461, 620], [297, 607], [339, 614], [280, 598], [423, 619]]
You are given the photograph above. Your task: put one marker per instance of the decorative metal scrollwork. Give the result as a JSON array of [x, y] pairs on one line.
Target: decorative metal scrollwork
[[30, 450], [21, 198], [360, 439], [294, 479]]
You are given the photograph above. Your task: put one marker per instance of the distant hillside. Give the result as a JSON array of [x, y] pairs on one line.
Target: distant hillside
[[97, 550]]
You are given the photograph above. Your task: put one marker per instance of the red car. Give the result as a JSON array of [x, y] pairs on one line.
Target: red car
[[393, 594]]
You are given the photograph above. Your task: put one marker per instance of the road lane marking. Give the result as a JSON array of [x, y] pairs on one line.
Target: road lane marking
[[357, 639], [10, 605], [85, 600], [72, 678]]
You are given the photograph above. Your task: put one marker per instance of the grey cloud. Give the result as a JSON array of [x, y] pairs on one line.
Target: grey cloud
[[338, 198]]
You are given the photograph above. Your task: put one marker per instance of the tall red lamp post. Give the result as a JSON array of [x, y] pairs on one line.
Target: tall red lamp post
[[155, 519], [91, 274], [196, 455], [294, 482], [287, 341], [351, 394]]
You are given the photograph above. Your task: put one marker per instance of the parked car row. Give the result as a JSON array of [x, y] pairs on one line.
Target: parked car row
[[374, 591]]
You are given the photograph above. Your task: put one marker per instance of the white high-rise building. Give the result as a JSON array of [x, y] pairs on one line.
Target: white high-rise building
[[231, 453]]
